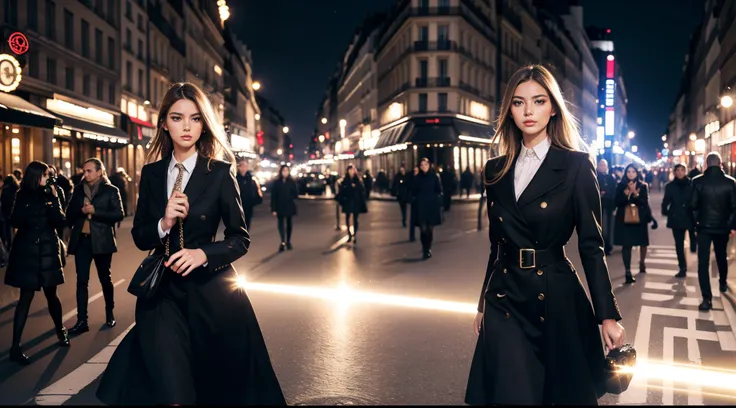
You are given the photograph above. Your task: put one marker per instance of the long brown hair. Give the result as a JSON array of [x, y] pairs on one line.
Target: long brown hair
[[563, 129], [212, 144]]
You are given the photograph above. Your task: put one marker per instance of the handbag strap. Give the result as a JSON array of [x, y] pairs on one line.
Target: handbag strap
[[181, 237]]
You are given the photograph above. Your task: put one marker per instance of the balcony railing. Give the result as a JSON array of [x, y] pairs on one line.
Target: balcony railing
[[434, 82], [475, 91], [443, 45]]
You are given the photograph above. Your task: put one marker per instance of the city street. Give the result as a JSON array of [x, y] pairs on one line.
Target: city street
[[375, 324]]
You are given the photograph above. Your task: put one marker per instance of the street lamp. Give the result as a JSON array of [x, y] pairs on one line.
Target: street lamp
[[324, 121], [693, 136], [256, 86], [321, 138], [726, 101], [664, 138], [631, 134], [665, 145], [286, 129], [258, 116], [634, 149], [279, 152]]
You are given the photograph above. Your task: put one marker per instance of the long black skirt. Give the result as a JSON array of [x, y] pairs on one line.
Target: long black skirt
[[198, 343]]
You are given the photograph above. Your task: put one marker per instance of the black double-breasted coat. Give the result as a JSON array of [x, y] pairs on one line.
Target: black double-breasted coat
[[631, 235], [539, 341], [352, 196], [209, 317]]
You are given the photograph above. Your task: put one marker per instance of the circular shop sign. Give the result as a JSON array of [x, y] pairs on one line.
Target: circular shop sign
[[9, 73], [18, 43]]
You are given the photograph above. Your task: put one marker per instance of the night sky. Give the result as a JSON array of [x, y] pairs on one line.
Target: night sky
[[296, 46]]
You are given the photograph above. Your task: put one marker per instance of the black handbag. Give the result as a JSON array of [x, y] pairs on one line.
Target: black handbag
[[618, 369], [147, 278]]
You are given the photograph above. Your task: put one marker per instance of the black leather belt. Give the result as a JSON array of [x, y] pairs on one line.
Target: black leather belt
[[528, 258]]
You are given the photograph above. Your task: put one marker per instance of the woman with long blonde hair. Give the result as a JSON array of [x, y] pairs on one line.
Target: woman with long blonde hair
[[197, 340], [539, 341]]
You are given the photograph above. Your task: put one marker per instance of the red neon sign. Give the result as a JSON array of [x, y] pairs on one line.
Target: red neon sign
[[435, 120], [18, 43], [610, 66]]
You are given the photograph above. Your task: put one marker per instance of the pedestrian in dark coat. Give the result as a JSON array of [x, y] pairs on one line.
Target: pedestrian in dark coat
[[539, 340], [283, 207], [352, 199], [36, 256], [7, 197], [427, 201], [632, 194], [250, 192], [679, 217], [400, 189], [197, 341]]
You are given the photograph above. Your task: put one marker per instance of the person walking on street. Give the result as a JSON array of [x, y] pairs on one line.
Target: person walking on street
[[352, 200], [412, 205], [36, 259], [94, 209], [713, 201], [427, 200], [633, 215], [466, 181], [7, 196], [679, 217], [368, 183], [607, 184], [250, 192], [539, 341], [283, 207], [400, 190], [449, 185]]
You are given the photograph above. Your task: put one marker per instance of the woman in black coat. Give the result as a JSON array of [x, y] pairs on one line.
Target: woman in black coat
[[283, 207], [632, 195], [36, 257], [539, 339], [427, 201], [352, 199], [679, 218]]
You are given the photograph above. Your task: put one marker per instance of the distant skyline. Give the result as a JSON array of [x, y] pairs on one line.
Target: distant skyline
[[296, 46]]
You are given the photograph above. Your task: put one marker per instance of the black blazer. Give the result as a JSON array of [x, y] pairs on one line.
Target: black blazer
[[108, 212], [213, 196]]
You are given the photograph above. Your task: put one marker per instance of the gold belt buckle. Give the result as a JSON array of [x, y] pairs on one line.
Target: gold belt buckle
[[521, 258]]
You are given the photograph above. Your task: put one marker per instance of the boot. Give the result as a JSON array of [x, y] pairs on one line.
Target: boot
[[110, 318], [16, 355], [282, 246], [63, 335], [79, 328], [681, 273], [629, 279], [642, 268]]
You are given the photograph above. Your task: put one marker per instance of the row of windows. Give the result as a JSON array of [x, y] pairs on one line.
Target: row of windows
[[129, 79], [11, 11], [70, 78], [129, 44], [129, 16], [441, 102]]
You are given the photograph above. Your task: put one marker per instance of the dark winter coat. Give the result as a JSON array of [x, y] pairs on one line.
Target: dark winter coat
[[36, 256], [539, 341], [631, 235], [401, 188], [283, 194], [427, 199], [713, 201], [607, 184], [352, 196], [675, 204], [250, 192], [108, 212]]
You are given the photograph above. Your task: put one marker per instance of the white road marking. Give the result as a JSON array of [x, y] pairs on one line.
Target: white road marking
[[650, 261], [70, 385], [693, 354], [667, 286], [73, 313]]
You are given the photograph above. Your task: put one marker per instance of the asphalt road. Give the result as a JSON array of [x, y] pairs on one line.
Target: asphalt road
[[373, 323]]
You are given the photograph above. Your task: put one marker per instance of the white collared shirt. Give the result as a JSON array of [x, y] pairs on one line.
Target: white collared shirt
[[171, 176], [528, 164]]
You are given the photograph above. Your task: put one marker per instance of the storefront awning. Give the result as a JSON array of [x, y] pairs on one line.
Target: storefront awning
[[94, 131], [16, 110], [394, 135], [473, 130], [433, 134]]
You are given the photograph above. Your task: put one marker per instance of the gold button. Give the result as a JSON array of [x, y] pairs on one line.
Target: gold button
[[504, 270], [507, 315], [543, 205], [541, 319], [541, 296], [500, 219], [203, 218], [540, 273]]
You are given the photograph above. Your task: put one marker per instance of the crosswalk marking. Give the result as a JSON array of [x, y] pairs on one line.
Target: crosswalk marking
[[667, 286], [70, 385]]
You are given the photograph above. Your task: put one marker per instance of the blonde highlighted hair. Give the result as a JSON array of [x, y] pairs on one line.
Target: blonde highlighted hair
[[563, 129]]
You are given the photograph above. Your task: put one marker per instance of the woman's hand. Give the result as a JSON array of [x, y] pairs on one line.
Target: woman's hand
[[177, 207], [613, 334], [186, 260], [53, 191], [477, 323]]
